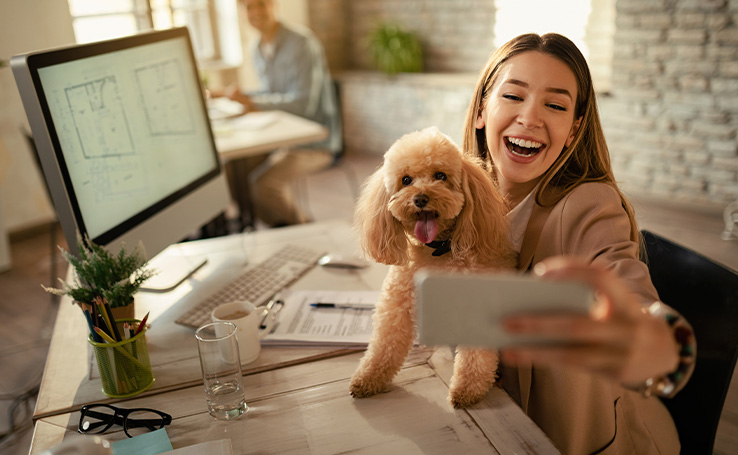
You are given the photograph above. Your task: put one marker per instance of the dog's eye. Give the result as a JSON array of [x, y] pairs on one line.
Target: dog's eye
[[440, 176], [407, 180]]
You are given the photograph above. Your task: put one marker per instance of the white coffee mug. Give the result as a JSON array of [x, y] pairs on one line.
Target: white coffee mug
[[247, 319]]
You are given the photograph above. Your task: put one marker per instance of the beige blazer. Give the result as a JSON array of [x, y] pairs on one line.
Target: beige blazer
[[580, 412]]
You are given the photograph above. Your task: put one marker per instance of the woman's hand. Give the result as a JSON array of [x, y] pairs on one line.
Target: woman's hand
[[618, 340]]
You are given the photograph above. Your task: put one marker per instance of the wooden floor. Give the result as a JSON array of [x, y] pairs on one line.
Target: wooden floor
[[28, 312]]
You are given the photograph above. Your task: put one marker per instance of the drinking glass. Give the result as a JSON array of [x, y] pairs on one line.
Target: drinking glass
[[221, 370]]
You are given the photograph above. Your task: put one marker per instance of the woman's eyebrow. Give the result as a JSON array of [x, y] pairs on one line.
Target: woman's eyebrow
[[524, 84]]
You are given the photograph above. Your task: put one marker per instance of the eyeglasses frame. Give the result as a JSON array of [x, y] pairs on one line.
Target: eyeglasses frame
[[120, 417]]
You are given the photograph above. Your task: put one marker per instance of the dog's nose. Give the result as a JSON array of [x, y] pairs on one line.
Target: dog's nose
[[420, 201]]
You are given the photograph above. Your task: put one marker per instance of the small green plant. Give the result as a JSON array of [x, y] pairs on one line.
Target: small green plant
[[115, 278], [396, 51]]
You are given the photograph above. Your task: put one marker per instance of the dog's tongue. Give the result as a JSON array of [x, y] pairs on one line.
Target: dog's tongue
[[426, 227]]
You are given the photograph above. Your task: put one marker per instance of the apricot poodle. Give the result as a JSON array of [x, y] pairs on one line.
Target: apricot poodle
[[428, 206]]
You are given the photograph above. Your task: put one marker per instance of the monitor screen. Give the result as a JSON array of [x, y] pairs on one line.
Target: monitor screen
[[124, 139]]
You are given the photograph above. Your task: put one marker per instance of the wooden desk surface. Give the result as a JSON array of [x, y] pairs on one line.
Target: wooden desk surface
[[306, 409], [298, 397], [259, 132], [70, 377]]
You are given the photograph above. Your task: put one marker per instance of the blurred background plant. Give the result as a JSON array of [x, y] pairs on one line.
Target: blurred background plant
[[394, 50]]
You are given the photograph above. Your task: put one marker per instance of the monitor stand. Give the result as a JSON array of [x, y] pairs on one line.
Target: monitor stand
[[172, 268]]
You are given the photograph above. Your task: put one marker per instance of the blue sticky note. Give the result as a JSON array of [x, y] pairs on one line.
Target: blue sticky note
[[143, 444]]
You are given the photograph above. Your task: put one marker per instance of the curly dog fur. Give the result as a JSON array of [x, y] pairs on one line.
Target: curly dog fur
[[427, 191]]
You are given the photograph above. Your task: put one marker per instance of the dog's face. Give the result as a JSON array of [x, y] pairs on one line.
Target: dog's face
[[423, 176]]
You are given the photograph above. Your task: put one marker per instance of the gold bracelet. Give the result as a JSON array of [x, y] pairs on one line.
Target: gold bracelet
[[667, 386]]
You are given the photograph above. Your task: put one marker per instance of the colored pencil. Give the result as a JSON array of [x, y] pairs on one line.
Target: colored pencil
[[113, 322], [142, 324]]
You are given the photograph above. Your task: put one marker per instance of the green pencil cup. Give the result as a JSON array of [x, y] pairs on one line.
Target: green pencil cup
[[125, 369]]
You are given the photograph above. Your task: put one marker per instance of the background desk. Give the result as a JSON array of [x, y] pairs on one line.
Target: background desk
[[244, 142], [298, 398], [259, 133]]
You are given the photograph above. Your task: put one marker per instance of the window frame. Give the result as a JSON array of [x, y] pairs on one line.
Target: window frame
[[142, 13]]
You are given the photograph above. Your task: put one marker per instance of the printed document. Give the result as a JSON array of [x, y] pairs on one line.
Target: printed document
[[301, 322]]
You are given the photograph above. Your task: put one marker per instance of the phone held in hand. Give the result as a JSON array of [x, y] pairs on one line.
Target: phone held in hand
[[468, 309]]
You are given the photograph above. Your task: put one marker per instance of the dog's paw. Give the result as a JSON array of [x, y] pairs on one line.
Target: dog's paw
[[465, 397], [363, 387]]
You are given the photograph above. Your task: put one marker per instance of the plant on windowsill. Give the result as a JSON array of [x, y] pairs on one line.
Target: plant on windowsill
[[99, 273], [394, 50]]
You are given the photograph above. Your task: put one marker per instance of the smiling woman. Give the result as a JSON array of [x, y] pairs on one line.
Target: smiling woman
[[530, 122], [534, 122]]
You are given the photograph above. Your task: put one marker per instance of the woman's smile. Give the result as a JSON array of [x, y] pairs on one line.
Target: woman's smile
[[528, 119], [522, 148]]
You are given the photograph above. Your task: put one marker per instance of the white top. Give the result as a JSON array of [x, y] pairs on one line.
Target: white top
[[518, 218]]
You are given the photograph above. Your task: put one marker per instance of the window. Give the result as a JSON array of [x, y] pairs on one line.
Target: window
[[567, 17], [95, 20], [590, 27]]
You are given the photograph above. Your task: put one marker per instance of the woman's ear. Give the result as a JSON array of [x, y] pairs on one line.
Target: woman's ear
[[574, 130], [479, 122]]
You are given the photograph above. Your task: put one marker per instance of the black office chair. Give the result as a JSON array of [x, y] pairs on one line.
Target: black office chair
[[706, 294]]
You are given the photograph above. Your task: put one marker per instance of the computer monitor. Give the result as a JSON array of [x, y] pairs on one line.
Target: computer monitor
[[123, 135]]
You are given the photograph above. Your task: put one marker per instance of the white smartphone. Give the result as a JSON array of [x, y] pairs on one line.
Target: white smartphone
[[468, 309]]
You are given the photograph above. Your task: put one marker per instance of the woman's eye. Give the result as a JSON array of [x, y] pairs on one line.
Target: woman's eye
[[440, 176], [407, 180], [512, 97], [557, 107]]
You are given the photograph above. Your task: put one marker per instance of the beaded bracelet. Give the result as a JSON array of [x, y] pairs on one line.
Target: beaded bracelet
[[667, 386]]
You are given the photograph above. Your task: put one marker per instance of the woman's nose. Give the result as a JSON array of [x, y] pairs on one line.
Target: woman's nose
[[530, 116]]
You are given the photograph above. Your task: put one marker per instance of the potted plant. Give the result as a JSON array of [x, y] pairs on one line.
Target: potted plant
[[99, 273], [395, 50]]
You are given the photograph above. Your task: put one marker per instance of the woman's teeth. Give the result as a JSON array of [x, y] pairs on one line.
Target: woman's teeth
[[522, 147], [524, 143]]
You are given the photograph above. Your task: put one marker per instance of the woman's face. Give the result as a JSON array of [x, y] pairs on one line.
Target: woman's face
[[528, 119]]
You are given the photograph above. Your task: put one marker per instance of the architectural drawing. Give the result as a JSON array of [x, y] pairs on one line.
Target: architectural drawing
[[99, 118], [163, 95]]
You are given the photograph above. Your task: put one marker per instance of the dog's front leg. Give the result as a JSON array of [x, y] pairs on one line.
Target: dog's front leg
[[475, 370], [392, 338]]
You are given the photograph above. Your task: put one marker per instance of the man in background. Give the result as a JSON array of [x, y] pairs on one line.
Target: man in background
[[294, 77]]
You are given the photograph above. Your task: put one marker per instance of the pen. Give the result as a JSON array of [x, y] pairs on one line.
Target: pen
[[356, 306]]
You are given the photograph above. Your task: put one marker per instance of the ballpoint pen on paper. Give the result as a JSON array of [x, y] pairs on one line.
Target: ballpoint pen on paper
[[356, 306]]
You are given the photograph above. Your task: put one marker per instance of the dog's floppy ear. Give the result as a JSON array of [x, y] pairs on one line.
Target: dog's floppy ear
[[382, 236], [481, 228]]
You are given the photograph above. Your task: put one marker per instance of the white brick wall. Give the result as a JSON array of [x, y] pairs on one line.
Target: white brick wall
[[676, 74], [671, 115]]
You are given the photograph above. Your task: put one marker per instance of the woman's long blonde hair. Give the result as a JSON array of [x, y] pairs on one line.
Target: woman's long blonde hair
[[587, 158]]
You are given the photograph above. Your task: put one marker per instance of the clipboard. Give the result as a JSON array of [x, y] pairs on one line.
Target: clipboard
[[468, 309]]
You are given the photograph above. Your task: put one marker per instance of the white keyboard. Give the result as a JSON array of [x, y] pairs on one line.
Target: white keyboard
[[257, 284]]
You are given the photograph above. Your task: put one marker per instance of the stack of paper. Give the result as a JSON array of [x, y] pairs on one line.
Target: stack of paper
[[324, 318]]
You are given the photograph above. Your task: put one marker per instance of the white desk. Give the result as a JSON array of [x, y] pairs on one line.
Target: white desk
[[258, 133], [298, 398]]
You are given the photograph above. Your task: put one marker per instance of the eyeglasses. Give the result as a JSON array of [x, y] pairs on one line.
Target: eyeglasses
[[97, 418]]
